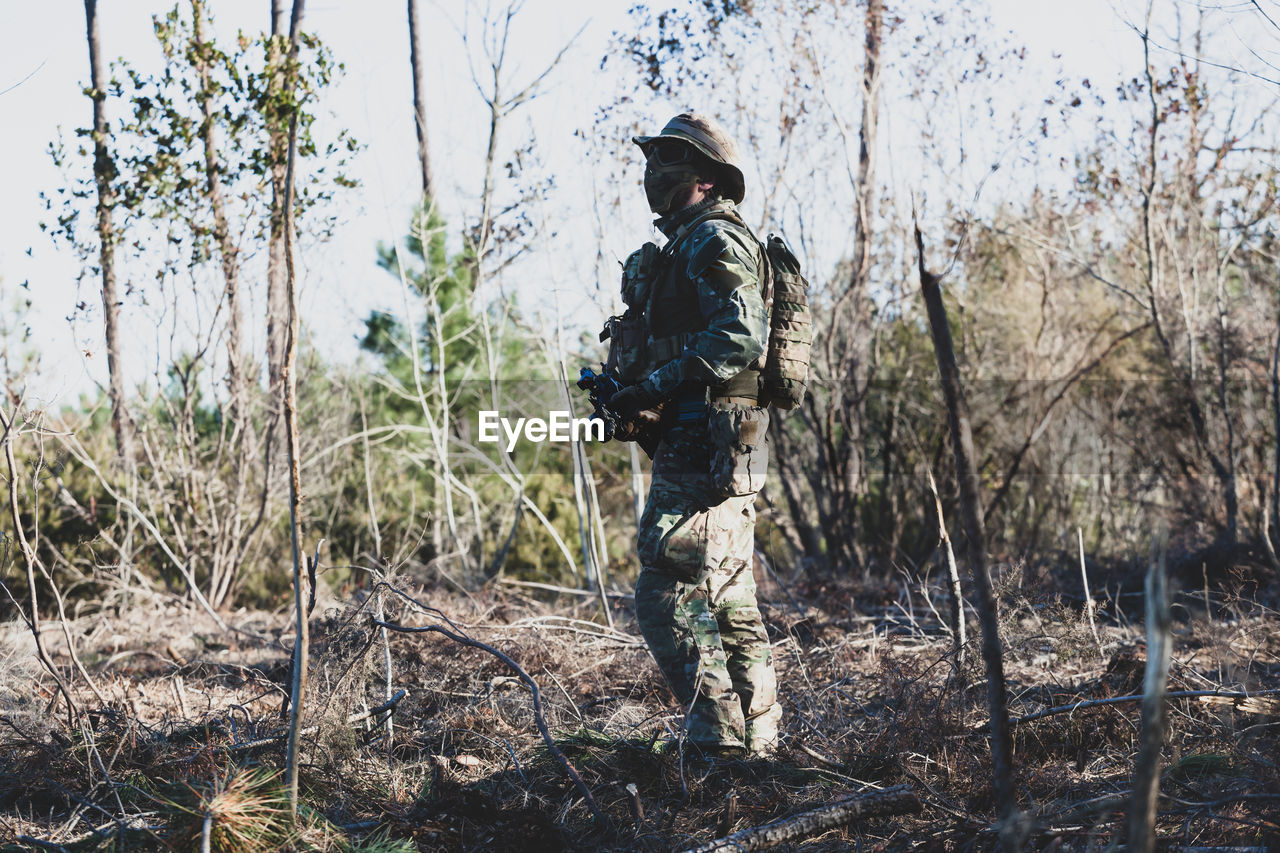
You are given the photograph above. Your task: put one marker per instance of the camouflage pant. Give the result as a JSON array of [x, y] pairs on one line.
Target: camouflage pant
[[696, 598]]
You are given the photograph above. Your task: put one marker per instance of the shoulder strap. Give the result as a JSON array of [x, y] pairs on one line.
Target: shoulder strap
[[731, 216], [727, 215]]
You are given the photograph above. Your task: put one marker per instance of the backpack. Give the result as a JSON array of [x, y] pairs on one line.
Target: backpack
[[786, 359]]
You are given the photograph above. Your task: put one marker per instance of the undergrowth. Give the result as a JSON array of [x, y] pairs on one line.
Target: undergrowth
[[186, 750]]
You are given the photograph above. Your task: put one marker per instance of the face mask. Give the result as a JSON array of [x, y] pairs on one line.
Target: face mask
[[663, 185]]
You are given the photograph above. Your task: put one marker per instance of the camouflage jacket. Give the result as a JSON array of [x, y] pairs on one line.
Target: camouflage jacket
[[707, 307]]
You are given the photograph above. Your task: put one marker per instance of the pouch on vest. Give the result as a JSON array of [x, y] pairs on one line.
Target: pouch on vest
[[626, 337], [738, 436], [628, 333], [784, 364], [639, 272]]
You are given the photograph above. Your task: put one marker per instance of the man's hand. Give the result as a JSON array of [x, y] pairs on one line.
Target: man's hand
[[628, 403]]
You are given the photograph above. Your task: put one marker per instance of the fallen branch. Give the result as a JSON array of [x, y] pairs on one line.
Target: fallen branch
[[102, 832], [891, 801], [389, 706], [563, 590], [1137, 697], [537, 703]]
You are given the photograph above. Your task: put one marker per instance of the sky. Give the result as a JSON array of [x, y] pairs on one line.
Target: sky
[[44, 65]]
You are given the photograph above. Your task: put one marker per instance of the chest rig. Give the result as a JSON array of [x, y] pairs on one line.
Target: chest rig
[[663, 314]]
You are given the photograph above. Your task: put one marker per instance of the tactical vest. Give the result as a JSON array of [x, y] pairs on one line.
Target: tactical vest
[[663, 313]]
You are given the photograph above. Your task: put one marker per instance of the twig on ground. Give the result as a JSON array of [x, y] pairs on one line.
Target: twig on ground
[[563, 590], [537, 703], [820, 758], [91, 742]]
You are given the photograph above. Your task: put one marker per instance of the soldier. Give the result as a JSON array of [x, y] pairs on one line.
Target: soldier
[[704, 328]]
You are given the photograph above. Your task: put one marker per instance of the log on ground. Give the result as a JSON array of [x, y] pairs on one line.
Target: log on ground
[[891, 801]]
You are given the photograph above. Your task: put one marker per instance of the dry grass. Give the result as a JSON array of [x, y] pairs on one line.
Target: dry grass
[[873, 697]]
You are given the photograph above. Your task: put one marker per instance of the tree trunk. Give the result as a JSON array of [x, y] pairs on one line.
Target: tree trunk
[[277, 309], [975, 536], [854, 369], [224, 559], [1275, 425], [228, 253], [419, 105], [797, 506], [1146, 770], [104, 170], [1228, 476], [290, 380]]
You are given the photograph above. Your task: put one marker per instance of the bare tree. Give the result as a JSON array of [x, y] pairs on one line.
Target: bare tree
[[231, 534], [227, 250], [277, 308], [1275, 425], [975, 547], [104, 171], [30, 562], [1160, 244], [500, 103], [419, 104], [851, 312], [298, 692]]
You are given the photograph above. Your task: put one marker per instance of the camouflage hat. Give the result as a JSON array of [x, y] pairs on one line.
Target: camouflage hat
[[710, 139]]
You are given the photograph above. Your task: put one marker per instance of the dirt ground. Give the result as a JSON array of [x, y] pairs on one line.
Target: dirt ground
[[178, 737]]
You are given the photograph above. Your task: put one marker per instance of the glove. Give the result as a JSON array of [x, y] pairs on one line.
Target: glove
[[628, 403]]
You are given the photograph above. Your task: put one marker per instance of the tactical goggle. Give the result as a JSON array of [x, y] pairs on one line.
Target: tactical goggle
[[669, 152]]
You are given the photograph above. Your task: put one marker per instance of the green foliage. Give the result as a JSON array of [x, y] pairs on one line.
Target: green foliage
[[471, 355], [194, 150], [245, 809], [159, 174], [441, 284]]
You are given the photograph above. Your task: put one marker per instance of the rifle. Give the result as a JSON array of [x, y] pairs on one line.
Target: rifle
[[601, 388]]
